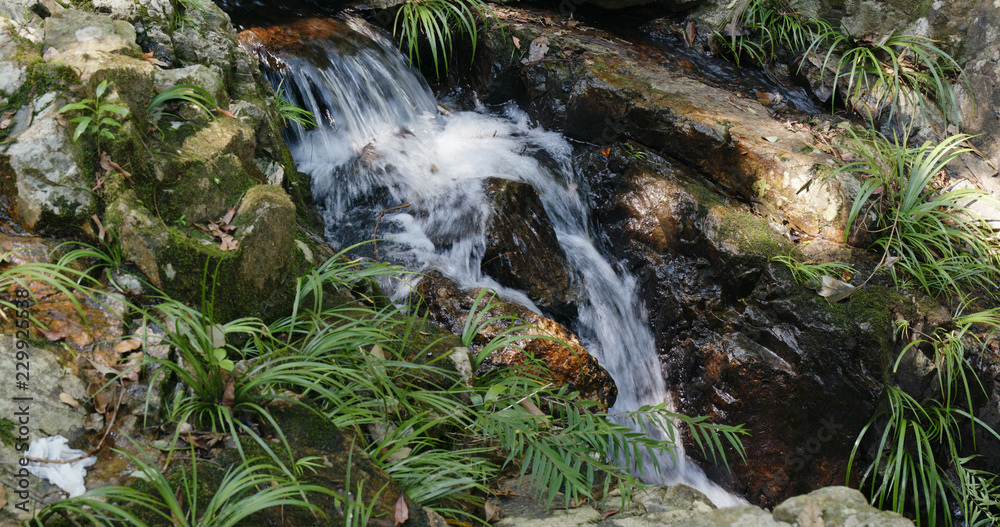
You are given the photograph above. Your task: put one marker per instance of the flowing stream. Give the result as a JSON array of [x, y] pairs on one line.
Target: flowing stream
[[384, 143]]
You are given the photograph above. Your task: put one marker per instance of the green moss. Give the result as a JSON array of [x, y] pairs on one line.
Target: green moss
[[7, 432], [751, 234]]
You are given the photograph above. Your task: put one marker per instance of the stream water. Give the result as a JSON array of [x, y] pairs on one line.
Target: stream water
[[384, 142]]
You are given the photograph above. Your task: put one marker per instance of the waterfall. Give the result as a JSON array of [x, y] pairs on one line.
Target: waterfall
[[384, 143]]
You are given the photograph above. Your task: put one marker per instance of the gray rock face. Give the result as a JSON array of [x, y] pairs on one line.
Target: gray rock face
[[12, 75], [836, 507], [207, 38], [46, 379], [197, 75], [50, 186]]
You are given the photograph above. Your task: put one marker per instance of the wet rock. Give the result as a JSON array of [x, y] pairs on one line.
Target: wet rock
[[44, 413], [570, 364], [522, 251], [51, 188], [609, 92], [740, 340]]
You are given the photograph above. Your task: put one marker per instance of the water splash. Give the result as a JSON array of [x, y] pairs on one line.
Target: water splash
[[384, 145]]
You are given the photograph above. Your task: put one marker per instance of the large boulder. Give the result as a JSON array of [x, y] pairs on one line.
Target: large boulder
[[739, 340], [522, 250], [51, 187], [608, 92]]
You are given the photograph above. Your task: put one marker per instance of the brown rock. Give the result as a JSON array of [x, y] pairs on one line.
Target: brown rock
[[522, 251], [566, 359]]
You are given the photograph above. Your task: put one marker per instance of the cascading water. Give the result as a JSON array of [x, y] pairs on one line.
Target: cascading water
[[383, 144]]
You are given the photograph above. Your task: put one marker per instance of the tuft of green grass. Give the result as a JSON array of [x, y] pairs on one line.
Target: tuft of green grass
[[289, 111], [918, 462], [876, 77], [941, 244], [809, 274], [182, 93], [246, 489], [435, 22]]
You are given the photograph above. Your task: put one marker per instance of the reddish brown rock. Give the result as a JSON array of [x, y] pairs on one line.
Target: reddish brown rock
[[566, 359]]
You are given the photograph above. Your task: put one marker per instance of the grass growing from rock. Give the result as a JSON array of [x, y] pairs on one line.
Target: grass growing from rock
[[874, 77], [919, 462]]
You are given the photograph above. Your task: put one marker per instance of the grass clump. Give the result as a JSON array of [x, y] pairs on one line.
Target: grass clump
[[920, 464], [444, 438], [929, 236], [875, 77], [435, 22]]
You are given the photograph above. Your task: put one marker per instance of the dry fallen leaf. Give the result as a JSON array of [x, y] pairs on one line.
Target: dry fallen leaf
[[101, 231], [105, 371], [52, 335], [229, 394], [148, 57], [690, 33], [227, 113], [3, 496], [101, 401], [107, 164], [5, 123], [402, 512], [606, 151], [610, 513], [130, 368], [835, 290], [228, 243], [68, 399], [228, 216], [493, 512], [128, 345], [517, 42]]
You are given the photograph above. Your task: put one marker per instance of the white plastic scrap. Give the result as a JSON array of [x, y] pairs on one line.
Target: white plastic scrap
[[67, 476]]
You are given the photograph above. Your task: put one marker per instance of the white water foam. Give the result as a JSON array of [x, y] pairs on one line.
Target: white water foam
[[384, 144]]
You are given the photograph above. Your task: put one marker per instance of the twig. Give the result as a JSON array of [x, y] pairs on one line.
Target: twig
[[378, 222]]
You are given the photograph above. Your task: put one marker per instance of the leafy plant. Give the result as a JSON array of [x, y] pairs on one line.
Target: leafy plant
[[886, 74], [875, 74], [755, 29], [98, 117], [435, 20], [809, 273], [920, 443], [290, 111], [638, 155], [244, 490], [182, 93], [939, 241]]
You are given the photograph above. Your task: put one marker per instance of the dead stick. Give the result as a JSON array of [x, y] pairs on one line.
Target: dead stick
[[378, 222]]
